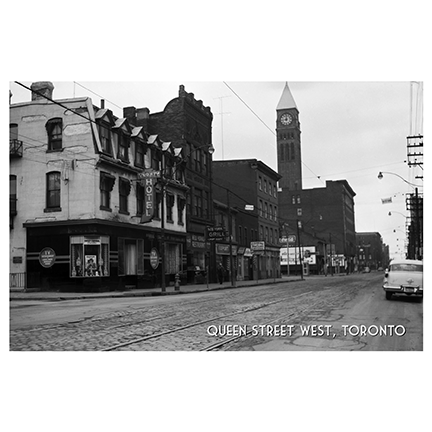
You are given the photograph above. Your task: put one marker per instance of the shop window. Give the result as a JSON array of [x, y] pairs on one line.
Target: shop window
[[53, 191], [173, 262], [54, 128], [89, 256], [124, 191], [106, 186]]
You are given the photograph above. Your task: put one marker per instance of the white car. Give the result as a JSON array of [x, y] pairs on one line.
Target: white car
[[404, 277]]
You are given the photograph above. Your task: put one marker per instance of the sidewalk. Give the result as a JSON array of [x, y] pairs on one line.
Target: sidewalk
[[147, 292]]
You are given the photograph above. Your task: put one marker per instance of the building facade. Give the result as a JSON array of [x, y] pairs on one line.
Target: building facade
[[83, 214], [372, 253], [250, 186], [320, 220], [187, 124]]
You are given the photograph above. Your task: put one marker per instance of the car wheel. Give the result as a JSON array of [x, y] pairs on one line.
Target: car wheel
[[388, 295]]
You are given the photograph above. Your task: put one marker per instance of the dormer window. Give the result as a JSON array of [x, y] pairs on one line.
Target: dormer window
[[123, 146], [105, 137], [54, 129]]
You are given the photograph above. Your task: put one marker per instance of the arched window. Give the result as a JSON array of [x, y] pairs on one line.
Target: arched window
[[54, 129]]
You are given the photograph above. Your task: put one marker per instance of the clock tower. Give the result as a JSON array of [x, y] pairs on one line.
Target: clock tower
[[288, 142]]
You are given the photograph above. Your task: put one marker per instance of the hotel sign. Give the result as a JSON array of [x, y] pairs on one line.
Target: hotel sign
[[148, 179]]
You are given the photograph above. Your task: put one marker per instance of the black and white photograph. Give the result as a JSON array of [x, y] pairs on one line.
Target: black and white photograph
[[216, 217], [233, 216]]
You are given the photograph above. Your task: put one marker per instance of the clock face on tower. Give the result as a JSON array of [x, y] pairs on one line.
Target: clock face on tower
[[286, 119]]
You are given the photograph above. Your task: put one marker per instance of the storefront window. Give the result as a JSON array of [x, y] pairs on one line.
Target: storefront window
[[89, 256]]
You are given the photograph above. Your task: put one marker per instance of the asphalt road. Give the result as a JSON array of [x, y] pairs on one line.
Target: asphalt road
[[340, 313]]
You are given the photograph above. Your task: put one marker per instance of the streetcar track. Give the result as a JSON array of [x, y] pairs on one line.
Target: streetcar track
[[145, 338]]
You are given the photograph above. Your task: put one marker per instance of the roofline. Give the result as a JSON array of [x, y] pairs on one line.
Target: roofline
[[262, 165]]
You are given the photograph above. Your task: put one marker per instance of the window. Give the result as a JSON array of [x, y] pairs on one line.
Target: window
[[123, 146], [260, 183], [260, 207], [53, 191], [197, 203], [240, 238], [181, 203], [265, 185], [271, 212], [261, 233], [140, 199], [89, 256], [157, 211], [105, 137], [293, 199], [139, 153], [54, 129], [155, 160], [197, 158], [106, 186], [292, 151], [265, 210], [124, 191], [270, 189], [12, 197], [169, 206], [298, 199], [206, 205], [245, 235], [266, 234]]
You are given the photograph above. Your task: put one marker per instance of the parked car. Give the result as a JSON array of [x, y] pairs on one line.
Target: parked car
[[404, 277]]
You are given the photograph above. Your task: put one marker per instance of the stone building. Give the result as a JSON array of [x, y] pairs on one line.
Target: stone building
[[78, 198]]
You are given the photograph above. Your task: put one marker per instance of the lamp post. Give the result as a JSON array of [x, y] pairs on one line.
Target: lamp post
[[164, 180], [416, 210]]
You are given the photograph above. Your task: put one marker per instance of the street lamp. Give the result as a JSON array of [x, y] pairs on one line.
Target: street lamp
[[380, 176], [390, 213], [164, 180]]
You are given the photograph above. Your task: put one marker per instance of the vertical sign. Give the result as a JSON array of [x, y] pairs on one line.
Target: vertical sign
[[148, 179]]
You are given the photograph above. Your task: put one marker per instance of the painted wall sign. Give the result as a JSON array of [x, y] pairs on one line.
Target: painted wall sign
[[47, 257]]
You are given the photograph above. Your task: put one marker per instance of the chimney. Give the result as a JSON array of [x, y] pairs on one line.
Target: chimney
[[43, 88], [130, 114], [142, 117], [102, 104]]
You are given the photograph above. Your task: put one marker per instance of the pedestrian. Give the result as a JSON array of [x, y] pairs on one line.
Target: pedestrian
[[221, 273]]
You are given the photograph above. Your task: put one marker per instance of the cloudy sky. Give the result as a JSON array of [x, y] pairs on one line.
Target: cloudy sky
[[350, 130]]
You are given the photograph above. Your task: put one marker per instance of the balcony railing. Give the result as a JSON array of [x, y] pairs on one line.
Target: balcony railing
[[15, 148]]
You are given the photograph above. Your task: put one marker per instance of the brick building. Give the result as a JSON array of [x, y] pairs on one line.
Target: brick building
[[250, 187], [326, 214]]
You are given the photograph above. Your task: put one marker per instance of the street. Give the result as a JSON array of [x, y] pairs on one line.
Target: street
[[340, 313]]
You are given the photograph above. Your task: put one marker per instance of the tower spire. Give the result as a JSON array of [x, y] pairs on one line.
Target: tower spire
[[286, 100]]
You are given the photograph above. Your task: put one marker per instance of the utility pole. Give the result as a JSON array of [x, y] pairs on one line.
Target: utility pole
[[299, 246], [232, 275], [221, 113]]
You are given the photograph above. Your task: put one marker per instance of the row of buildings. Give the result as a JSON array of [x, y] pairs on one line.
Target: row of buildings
[[104, 203]]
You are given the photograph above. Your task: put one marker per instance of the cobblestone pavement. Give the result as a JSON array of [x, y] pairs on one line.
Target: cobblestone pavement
[[185, 325]]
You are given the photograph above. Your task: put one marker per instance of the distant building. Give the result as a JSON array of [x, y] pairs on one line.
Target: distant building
[[250, 187], [77, 198], [320, 219], [372, 252]]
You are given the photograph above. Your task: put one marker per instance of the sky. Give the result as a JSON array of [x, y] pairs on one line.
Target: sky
[[351, 130]]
